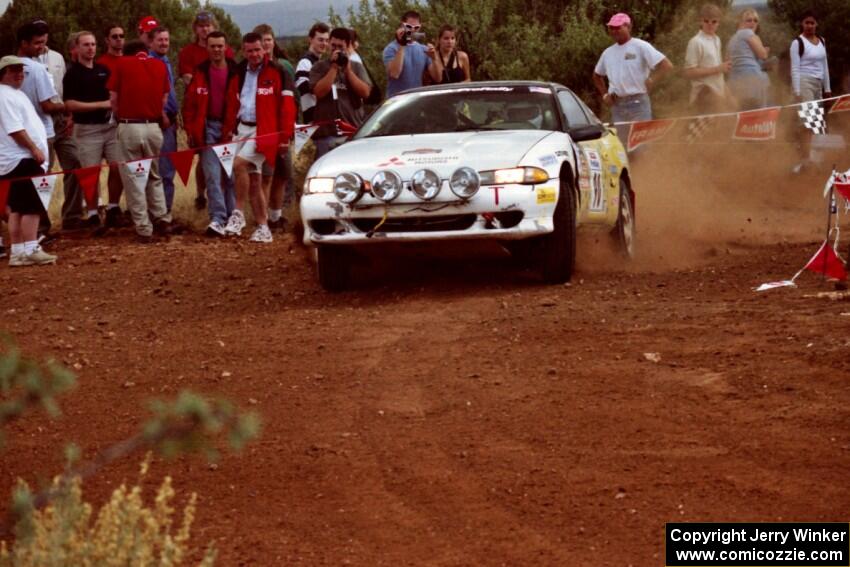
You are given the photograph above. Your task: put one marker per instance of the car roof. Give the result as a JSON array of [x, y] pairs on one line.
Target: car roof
[[474, 84]]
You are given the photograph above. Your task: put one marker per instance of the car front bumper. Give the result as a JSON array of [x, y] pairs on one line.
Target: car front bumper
[[509, 212]]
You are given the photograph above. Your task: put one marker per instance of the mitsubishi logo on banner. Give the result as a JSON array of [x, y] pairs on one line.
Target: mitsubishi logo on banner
[[301, 137], [226, 154], [138, 171], [44, 186]]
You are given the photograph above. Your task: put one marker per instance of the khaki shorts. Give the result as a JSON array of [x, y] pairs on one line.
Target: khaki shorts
[[96, 142], [247, 150], [811, 88]]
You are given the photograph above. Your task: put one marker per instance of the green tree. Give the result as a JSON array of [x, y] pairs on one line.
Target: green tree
[[94, 15], [832, 15]]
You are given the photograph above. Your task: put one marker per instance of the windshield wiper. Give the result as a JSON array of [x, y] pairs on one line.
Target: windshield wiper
[[476, 128]]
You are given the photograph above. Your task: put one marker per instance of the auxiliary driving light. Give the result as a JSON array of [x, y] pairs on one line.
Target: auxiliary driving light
[[426, 184], [386, 185], [465, 182], [348, 187]]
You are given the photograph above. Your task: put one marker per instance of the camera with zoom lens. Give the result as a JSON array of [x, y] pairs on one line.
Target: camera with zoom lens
[[410, 35], [341, 59]]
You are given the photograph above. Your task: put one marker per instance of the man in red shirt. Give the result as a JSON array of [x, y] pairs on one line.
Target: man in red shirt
[[114, 46], [261, 104], [188, 60], [146, 26], [138, 91]]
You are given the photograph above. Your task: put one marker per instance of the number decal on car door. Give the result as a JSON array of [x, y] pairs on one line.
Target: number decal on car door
[[597, 191]]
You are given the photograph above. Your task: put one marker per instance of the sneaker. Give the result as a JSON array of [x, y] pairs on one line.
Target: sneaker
[[215, 229], [2, 251], [200, 203], [279, 224], [262, 234], [18, 260], [40, 257], [235, 223], [114, 218], [162, 228], [71, 225], [144, 239], [92, 222]]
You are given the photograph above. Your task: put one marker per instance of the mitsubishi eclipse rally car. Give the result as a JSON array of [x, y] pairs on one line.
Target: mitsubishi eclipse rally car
[[509, 161]]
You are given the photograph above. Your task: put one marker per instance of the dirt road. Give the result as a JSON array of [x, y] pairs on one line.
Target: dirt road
[[457, 412]]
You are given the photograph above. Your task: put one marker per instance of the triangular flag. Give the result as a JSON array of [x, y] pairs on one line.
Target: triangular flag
[[138, 172], [267, 144], [301, 137], [841, 183], [226, 153], [774, 285], [827, 262], [182, 161], [88, 178], [648, 131], [44, 185], [812, 115], [344, 128], [4, 195]]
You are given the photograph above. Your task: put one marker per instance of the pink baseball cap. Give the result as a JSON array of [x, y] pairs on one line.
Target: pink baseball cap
[[620, 19]]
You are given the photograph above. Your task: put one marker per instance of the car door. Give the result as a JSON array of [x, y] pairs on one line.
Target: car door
[[596, 176]]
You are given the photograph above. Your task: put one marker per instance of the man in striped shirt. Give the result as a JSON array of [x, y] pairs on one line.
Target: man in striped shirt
[[319, 37]]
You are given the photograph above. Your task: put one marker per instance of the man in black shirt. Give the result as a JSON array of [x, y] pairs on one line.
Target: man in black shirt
[[95, 131]]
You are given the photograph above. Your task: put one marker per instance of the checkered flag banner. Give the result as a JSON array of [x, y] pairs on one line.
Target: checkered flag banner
[[813, 118], [697, 128]]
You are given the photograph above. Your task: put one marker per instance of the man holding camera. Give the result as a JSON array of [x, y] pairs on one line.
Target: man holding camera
[[405, 58], [340, 85]]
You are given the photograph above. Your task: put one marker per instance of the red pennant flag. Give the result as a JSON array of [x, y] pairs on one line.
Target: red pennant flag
[[267, 145], [648, 131], [182, 161], [345, 128], [757, 124], [827, 262], [4, 195], [88, 178], [841, 184], [841, 105]]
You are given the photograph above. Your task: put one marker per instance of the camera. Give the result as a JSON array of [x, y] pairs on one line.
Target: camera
[[410, 35], [341, 59]]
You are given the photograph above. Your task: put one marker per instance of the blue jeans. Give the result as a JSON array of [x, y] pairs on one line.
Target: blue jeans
[[166, 168], [221, 198], [633, 108]]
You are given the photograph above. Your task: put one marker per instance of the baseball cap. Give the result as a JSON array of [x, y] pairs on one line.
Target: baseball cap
[[147, 24], [204, 18], [619, 19], [10, 61]]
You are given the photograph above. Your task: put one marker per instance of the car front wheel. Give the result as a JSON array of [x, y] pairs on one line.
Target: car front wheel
[[625, 232], [334, 266], [558, 249]]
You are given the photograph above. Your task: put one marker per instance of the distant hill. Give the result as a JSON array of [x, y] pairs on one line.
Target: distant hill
[[287, 17]]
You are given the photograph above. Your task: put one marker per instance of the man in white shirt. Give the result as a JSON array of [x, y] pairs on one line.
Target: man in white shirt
[[23, 154], [704, 64], [632, 67]]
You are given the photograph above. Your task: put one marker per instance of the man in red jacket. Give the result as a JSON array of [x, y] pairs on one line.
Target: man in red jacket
[[261, 110], [203, 114]]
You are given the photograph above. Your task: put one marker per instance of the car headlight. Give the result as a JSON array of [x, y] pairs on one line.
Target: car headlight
[[465, 182], [348, 187], [426, 184], [514, 175], [320, 185], [386, 185]]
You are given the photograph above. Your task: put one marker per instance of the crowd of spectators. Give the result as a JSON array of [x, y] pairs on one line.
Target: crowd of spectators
[[122, 106]]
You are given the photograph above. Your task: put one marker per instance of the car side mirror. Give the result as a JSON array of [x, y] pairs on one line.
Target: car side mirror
[[585, 133]]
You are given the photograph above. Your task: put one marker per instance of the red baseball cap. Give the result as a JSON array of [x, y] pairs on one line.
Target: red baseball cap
[[147, 24]]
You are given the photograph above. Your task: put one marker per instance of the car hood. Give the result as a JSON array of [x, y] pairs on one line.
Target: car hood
[[483, 150]]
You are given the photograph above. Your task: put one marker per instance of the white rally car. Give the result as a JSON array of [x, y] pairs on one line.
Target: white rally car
[[509, 161]]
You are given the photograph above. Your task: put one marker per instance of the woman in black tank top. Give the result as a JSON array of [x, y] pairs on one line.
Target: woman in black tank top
[[450, 65]]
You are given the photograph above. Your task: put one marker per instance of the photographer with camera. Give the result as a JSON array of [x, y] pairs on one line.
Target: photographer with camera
[[405, 58], [340, 86]]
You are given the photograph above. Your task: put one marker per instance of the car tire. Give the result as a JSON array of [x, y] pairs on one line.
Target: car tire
[[334, 267], [624, 233], [558, 249]]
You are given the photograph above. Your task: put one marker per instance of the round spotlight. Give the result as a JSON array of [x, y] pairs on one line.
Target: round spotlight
[[465, 182], [386, 185], [348, 187], [426, 184]]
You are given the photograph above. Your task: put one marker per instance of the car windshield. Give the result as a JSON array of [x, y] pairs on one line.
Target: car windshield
[[464, 109]]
